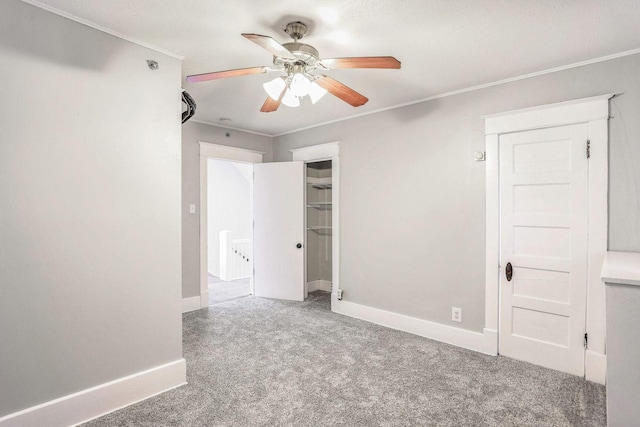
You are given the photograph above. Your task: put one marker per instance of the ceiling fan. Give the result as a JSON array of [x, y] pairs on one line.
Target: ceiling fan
[[299, 62]]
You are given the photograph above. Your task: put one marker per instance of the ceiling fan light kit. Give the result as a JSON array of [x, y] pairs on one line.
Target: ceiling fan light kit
[[299, 61], [275, 87], [316, 92], [290, 100], [299, 85]]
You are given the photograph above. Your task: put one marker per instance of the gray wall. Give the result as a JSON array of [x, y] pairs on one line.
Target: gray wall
[[192, 133], [89, 208], [412, 200]]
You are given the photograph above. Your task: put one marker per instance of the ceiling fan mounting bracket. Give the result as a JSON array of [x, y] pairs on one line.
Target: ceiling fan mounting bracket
[[296, 30]]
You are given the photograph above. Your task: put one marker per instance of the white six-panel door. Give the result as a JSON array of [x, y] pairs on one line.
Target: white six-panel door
[[543, 235], [278, 210]]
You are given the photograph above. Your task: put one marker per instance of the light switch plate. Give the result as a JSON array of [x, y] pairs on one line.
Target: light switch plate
[[192, 208]]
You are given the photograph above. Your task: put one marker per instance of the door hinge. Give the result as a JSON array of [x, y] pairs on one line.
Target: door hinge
[[588, 149], [586, 339]]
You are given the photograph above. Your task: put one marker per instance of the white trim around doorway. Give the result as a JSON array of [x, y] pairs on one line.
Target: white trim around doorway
[[221, 152], [595, 112]]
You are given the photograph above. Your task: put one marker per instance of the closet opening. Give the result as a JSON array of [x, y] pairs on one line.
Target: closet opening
[[318, 221]]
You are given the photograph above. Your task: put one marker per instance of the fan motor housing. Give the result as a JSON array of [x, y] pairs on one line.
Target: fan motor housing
[[304, 53]]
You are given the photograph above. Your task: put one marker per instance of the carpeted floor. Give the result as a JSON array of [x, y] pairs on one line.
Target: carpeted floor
[[221, 291], [261, 362]]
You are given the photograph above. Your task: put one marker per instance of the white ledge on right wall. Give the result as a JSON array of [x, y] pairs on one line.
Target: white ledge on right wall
[[622, 268]]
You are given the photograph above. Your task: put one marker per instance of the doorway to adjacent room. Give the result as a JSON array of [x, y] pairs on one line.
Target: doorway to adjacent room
[[229, 229]]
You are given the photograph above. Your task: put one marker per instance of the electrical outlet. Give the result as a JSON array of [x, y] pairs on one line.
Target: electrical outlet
[[456, 314]]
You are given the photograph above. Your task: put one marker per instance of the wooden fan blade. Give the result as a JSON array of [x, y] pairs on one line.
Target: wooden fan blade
[[343, 92], [272, 105], [226, 74], [362, 62], [266, 42]]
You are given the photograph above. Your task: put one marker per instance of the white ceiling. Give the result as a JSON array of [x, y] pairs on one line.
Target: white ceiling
[[444, 45]]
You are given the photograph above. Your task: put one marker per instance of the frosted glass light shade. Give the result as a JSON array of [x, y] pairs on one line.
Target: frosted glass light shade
[[290, 100], [316, 92], [274, 88], [299, 85]]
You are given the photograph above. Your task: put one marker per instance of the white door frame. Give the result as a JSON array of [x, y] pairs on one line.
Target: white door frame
[[316, 153], [220, 152], [595, 112]]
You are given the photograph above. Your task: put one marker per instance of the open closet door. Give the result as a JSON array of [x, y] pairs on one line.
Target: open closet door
[[278, 234]]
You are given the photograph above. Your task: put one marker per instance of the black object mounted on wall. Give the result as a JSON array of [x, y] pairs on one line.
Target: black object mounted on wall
[[191, 106]]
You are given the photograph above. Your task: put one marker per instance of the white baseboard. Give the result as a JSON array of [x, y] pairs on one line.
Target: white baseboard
[[319, 285], [190, 304], [595, 367], [490, 342], [96, 401], [486, 342], [204, 299]]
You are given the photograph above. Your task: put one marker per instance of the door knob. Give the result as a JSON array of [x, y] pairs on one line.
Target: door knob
[[299, 245], [508, 271]]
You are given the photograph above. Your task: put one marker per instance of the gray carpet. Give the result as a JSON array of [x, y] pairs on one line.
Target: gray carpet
[[221, 291], [260, 362]]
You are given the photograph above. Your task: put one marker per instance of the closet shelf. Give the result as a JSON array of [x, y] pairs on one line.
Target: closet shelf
[[319, 227], [322, 186], [319, 205], [319, 183]]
